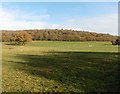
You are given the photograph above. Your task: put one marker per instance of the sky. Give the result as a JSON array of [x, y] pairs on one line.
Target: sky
[[87, 16]]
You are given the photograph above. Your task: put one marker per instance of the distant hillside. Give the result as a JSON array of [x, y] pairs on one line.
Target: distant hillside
[[59, 35]]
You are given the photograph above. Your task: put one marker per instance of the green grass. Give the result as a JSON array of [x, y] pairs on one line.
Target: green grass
[[77, 46], [52, 66]]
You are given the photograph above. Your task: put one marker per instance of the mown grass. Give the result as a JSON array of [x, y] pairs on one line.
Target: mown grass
[[51, 66]]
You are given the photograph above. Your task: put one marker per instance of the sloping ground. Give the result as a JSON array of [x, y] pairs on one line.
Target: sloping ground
[[60, 67]]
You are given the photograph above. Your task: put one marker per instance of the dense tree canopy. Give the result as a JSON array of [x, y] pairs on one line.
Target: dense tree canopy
[[17, 37], [57, 35], [23, 37]]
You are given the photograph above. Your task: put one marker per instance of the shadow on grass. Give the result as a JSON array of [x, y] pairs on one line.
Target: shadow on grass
[[15, 43], [10, 44], [91, 71]]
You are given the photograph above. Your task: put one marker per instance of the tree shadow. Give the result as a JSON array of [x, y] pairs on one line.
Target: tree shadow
[[12, 43], [91, 71], [15, 43]]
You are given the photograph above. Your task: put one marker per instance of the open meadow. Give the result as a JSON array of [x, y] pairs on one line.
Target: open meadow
[[57, 66]]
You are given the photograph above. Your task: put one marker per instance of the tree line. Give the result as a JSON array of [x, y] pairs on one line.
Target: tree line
[[54, 35]]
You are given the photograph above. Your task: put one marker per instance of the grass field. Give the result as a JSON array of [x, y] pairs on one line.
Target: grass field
[[51, 66]]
